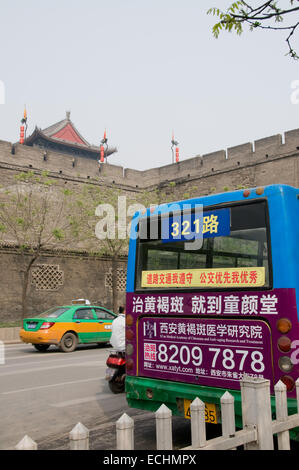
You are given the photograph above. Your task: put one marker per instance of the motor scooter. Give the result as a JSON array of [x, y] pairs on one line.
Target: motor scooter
[[116, 371]]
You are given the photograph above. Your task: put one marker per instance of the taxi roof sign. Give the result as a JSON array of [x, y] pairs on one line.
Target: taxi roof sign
[[80, 302]]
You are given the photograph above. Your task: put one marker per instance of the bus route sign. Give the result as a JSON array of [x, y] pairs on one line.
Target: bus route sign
[[196, 225]]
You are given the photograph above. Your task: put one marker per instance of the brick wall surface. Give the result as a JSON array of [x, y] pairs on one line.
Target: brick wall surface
[[82, 277]]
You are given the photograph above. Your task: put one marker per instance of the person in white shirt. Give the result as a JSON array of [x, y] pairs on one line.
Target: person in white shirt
[[117, 339]]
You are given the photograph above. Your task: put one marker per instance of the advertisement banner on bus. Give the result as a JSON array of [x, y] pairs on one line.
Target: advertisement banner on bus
[[206, 350], [210, 334], [266, 304], [208, 278]]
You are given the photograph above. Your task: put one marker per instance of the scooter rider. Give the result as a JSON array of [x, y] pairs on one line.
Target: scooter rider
[[116, 361], [117, 339]]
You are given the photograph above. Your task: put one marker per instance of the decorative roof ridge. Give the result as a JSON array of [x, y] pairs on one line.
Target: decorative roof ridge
[[58, 126]]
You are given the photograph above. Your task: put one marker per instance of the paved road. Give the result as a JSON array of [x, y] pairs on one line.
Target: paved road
[[46, 394]]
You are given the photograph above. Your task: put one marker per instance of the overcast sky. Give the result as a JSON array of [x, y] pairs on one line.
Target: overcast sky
[[140, 69]]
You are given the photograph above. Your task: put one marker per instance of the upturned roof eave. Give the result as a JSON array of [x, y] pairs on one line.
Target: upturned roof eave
[[40, 133]]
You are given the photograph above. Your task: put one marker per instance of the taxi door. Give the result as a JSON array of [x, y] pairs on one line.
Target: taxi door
[[86, 325], [105, 320]]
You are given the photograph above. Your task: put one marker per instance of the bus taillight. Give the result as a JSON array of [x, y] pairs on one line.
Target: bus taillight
[[129, 320], [289, 382], [284, 344], [284, 325], [259, 191], [129, 364], [129, 349], [129, 335], [285, 364]]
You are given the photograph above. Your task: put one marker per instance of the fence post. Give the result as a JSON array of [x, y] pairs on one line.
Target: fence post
[[256, 411], [79, 437], [125, 433], [283, 438], [26, 444], [198, 425], [164, 428], [228, 415]]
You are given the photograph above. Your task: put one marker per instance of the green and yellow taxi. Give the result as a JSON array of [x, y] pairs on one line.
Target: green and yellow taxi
[[67, 326]]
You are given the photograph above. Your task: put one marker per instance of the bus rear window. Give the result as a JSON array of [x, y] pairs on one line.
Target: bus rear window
[[246, 246]]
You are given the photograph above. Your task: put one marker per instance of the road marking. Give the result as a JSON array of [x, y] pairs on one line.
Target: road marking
[[48, 355], [28, 356], [17, 346], [53, 360], [79, 401], [54, 349], [43, 369], [22, 390]]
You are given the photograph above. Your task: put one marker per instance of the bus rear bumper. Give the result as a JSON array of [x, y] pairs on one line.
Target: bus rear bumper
[[140, 389], [149, 394]]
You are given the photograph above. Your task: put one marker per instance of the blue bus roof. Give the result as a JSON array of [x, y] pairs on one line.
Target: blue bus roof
[[229, 196]]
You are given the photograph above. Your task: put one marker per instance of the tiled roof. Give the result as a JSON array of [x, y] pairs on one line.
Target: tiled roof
[[65, 132], [56, 128]]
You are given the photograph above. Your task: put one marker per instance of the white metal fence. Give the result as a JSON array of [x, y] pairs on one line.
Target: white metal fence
[[257, 433]]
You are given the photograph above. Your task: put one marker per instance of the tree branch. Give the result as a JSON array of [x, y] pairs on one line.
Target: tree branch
[[243, 18], [237, 15]]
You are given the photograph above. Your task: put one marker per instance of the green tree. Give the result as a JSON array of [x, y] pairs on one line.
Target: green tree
[[36, 215], [267, 15]]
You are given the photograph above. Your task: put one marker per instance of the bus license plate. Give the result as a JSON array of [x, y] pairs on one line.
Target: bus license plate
[[210, 411]]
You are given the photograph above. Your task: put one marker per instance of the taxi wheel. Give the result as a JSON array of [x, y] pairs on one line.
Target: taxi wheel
[[41, 347], [68, 342]]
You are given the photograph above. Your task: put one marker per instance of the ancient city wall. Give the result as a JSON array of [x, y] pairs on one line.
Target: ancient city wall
[[256, 157], [260, 154], [56, 279]]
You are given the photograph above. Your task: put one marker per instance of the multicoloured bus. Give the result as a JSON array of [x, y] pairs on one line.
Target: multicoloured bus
[[198, 319]]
